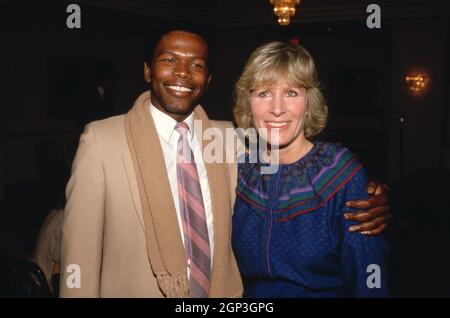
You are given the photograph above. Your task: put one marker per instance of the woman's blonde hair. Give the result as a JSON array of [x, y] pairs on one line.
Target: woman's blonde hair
[[273, 62]]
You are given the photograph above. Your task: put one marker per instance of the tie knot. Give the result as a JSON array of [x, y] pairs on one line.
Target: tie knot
[[182, 128]]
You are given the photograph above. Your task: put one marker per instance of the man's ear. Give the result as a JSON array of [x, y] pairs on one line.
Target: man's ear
[[147, 73]]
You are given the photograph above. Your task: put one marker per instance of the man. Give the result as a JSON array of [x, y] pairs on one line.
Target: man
[[127, 230]]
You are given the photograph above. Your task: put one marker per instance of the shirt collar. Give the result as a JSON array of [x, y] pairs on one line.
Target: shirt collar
[[165, 125]]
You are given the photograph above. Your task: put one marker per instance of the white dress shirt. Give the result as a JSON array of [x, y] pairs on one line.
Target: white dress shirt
[[168, 137]]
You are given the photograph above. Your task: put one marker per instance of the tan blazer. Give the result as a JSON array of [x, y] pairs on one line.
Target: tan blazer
[[103, 230]]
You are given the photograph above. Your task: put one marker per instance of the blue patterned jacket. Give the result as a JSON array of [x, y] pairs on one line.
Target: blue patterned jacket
[[289, 234]]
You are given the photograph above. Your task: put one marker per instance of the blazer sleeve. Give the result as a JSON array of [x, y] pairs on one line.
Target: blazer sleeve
[[364, 259], [82, 229]]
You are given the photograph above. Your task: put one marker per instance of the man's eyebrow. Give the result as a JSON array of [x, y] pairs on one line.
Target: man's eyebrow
[[182, 54]]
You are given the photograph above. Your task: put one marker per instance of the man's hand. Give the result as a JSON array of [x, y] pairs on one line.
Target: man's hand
[[374, 211]]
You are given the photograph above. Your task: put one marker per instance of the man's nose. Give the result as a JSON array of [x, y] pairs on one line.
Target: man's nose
[[181, 70]]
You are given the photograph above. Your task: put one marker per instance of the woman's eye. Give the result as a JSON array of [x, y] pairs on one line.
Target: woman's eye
[[263, 94], [291, 93]]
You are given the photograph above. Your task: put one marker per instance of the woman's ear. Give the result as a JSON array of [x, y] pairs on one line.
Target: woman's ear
[[147, 73]]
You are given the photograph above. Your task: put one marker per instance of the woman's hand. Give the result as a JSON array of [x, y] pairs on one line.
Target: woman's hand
[[374, 212]]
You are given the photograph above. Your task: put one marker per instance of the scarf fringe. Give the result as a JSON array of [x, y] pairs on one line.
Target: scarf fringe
[[174, 286]]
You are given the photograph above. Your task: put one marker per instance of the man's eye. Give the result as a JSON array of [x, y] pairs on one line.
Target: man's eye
[[291, 93], [169, 60], [198, 65]]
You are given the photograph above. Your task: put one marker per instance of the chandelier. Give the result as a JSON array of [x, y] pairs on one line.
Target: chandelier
[[284, 10]]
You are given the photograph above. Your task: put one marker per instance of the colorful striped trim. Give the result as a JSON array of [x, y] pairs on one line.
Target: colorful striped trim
[[324, 201], [304, 198]]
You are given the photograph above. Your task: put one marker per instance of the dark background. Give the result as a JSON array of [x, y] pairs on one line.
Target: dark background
[[45, 67]]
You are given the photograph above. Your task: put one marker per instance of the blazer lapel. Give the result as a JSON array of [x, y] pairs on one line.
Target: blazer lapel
[[131, 178], [221, 209]]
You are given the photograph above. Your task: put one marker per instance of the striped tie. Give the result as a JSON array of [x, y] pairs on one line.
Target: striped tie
[[196, 240]]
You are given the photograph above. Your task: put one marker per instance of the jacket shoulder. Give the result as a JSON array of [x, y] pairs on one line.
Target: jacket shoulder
[[107, 123], [221, 124], [108, 133]]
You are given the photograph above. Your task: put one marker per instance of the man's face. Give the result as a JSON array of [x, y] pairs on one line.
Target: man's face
[[179, 73]]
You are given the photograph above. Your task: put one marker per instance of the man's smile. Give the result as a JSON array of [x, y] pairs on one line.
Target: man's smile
[[179, 90]]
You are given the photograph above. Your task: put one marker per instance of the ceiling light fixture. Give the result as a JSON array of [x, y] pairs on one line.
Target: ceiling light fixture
[[284, 10]]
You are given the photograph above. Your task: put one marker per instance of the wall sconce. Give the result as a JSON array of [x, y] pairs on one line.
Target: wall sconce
[[417, 83]]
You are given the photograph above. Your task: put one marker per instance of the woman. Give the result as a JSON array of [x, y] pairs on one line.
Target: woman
[[289, 233]]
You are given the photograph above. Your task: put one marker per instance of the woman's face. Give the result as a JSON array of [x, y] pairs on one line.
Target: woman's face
[[279, 108]]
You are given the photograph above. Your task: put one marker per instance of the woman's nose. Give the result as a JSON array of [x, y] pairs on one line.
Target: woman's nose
[[277, 107]]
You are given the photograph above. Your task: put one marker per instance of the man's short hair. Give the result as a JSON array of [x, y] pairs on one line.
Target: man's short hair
[[159, 31]]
